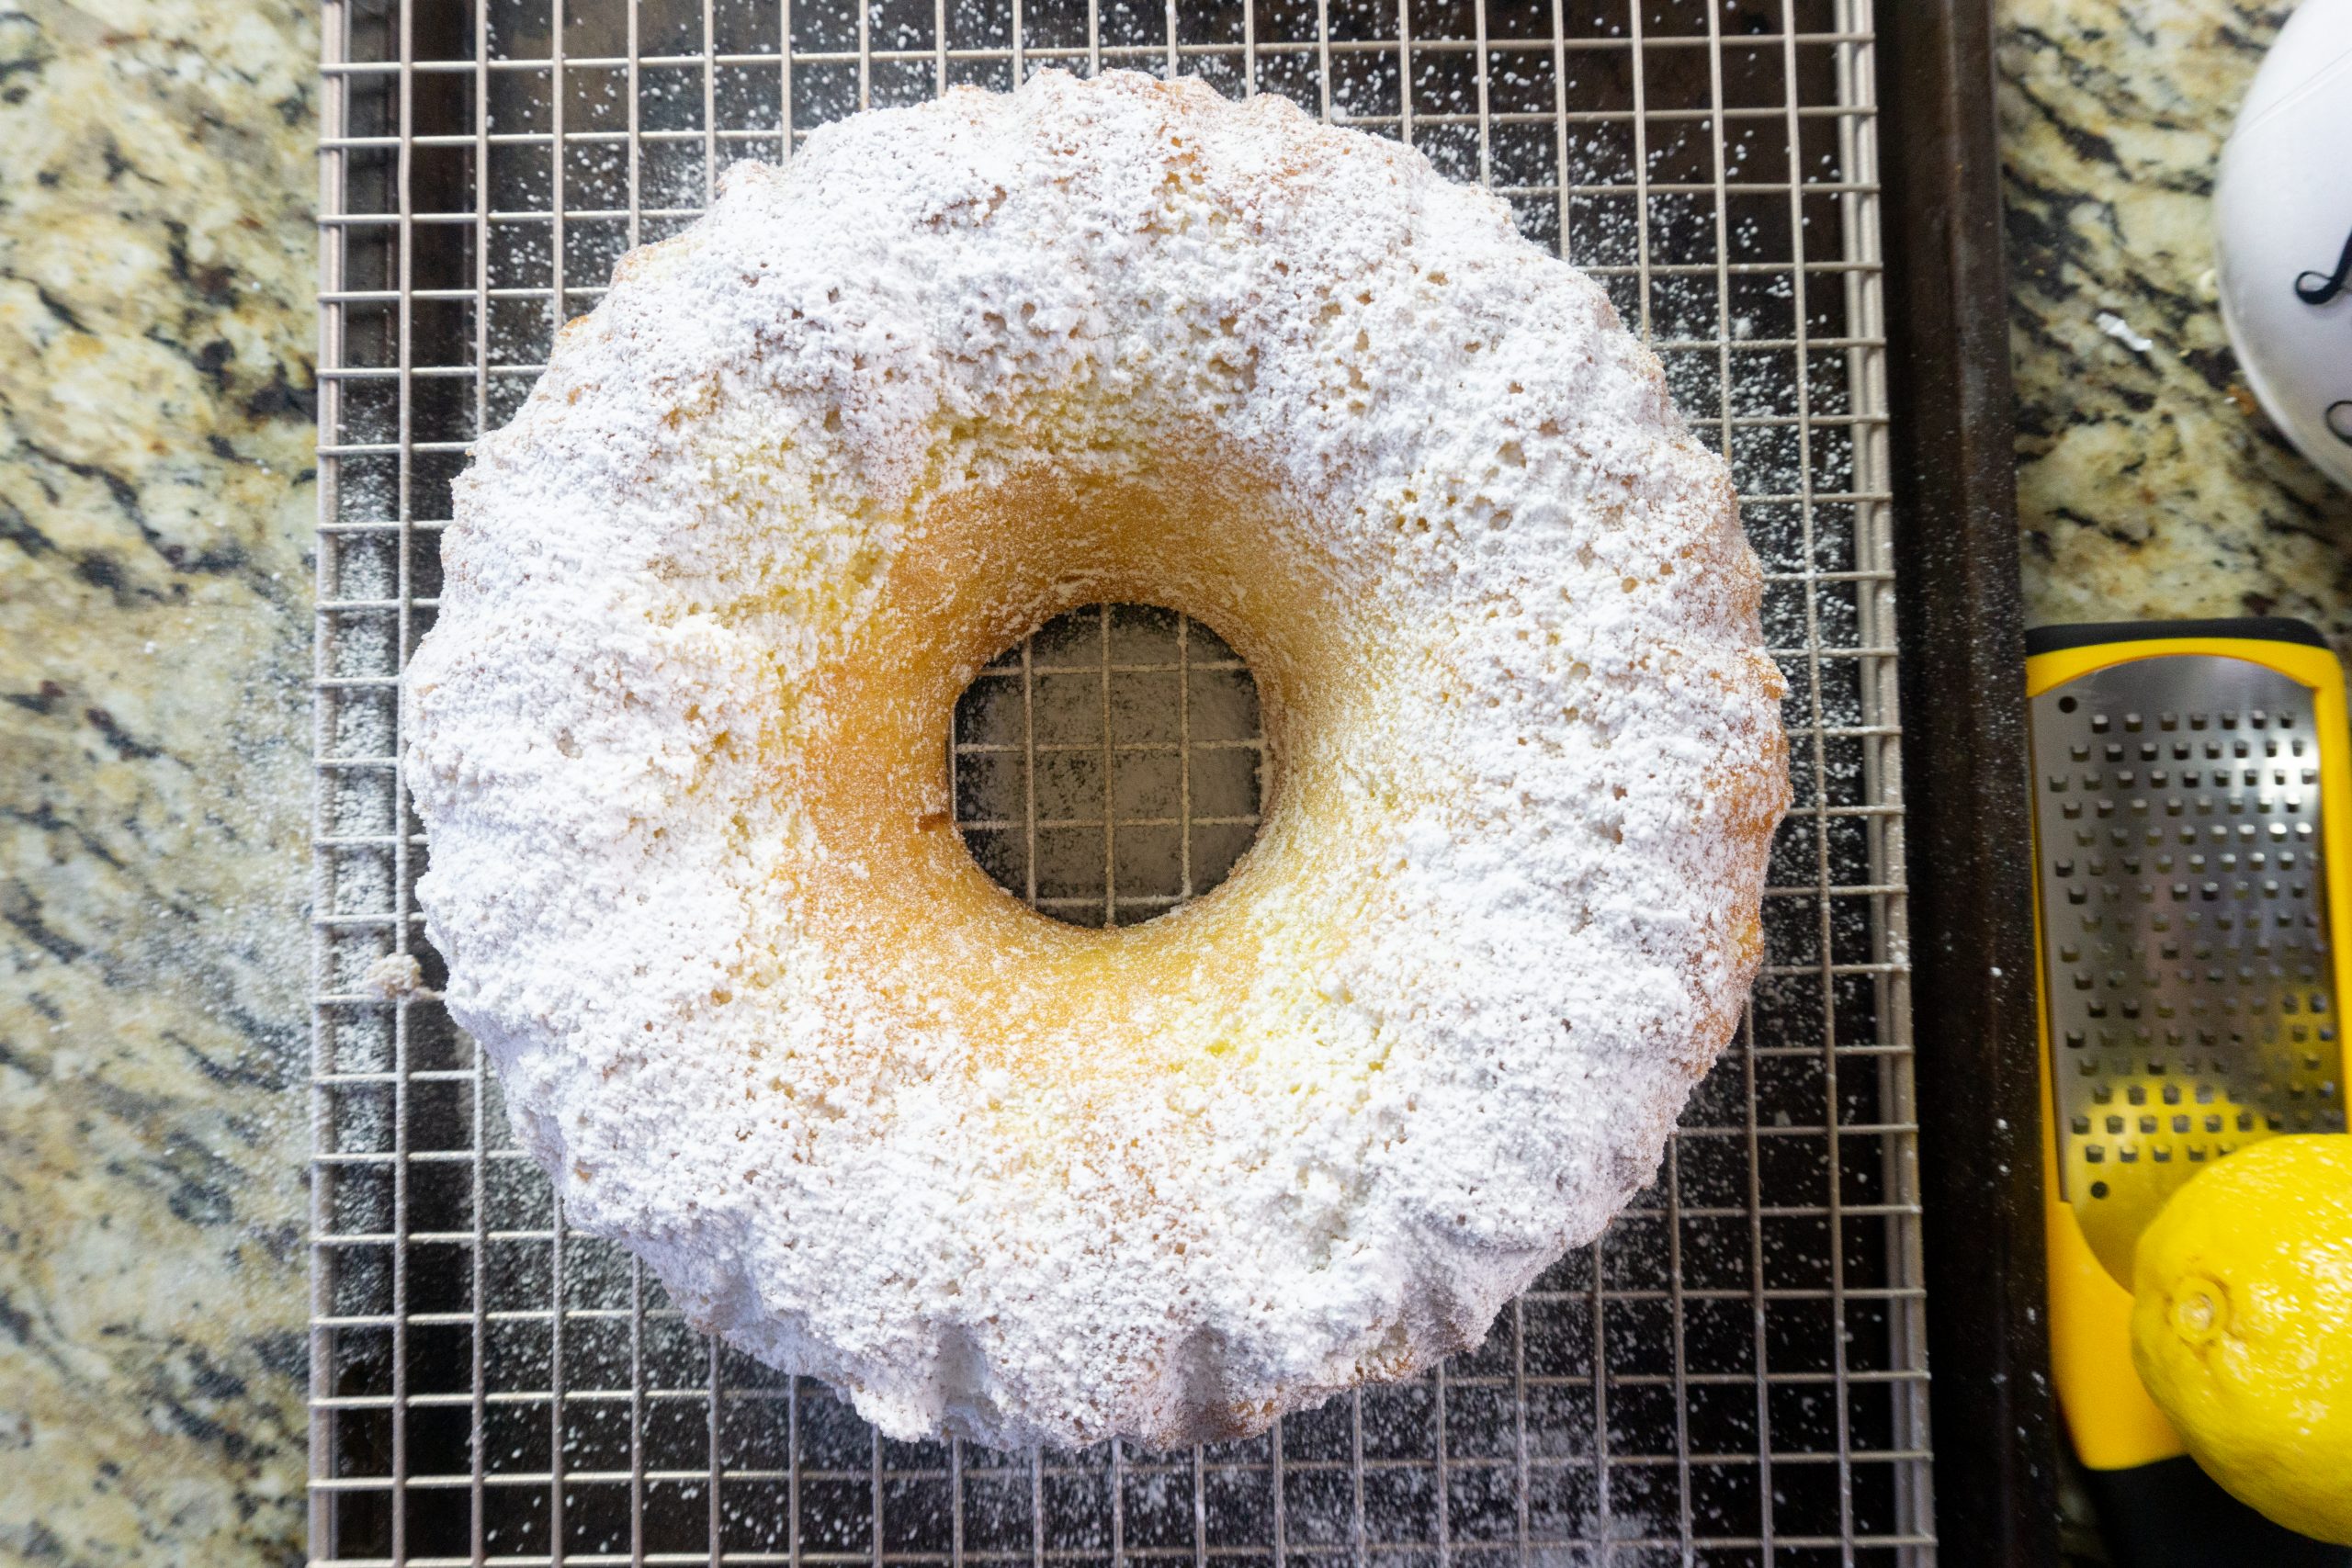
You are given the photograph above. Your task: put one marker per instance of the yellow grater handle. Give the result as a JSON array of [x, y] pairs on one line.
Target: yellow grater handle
[[2108, 1415]]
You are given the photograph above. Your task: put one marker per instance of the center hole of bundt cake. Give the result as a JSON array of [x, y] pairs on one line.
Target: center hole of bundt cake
[[1110, 765]]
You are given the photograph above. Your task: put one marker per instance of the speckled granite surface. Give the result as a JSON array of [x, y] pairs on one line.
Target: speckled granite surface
[[2149, 482], [155, 338], [157, 172]]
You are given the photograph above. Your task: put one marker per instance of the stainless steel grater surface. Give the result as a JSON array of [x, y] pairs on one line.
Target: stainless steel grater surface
[[2184, 926]]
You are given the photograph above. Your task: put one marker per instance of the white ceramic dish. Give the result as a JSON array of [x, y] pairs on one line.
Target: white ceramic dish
[[2282, 218]]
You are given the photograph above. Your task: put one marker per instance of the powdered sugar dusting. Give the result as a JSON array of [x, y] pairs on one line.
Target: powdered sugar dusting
[[1505, 908]]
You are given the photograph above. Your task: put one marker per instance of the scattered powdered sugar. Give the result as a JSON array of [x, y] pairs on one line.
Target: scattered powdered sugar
[[1504, 911], [395, 975]]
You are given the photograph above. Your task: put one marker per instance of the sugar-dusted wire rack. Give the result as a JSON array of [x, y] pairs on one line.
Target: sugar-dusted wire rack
[[1733, 1374]]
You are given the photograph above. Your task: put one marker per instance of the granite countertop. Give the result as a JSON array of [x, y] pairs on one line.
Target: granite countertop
[[2149, 483], [156, 261], [156, 498]]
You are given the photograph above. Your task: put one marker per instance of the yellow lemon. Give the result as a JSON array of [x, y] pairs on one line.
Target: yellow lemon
[[2242, 1326]]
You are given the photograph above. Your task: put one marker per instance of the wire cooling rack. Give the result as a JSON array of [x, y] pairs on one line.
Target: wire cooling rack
[[1733, 1374]]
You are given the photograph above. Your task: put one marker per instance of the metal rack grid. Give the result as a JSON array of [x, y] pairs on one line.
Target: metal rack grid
[[1110, 767], [1733, 1374]]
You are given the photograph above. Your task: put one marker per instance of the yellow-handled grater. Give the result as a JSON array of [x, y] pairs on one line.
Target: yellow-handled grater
[[2192, 790]]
